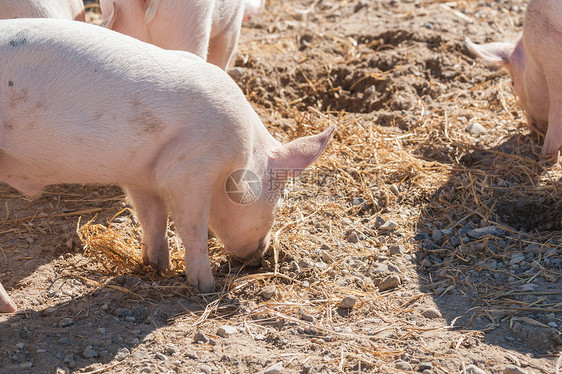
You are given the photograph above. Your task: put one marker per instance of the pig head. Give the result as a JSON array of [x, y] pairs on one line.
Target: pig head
[[83, 104], [63, 9], [208, 28], [535, 65]]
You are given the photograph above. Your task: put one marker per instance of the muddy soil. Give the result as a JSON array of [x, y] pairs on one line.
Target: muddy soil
[[447, 238]]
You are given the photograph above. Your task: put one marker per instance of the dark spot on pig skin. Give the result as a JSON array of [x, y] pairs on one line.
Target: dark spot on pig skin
[[18, 40], [7, 125], [10, 83], [145, 118], [18, 97]]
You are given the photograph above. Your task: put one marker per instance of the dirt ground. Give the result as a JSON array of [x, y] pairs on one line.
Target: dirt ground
[[431, 209]]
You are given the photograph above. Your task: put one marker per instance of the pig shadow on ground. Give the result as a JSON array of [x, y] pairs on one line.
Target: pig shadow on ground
[[489, 246], [36, 231], [99, 326]]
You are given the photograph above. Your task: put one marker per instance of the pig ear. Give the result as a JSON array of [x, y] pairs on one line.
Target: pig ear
[[495, 52], [150, 11], [297, 155], [110, 21]]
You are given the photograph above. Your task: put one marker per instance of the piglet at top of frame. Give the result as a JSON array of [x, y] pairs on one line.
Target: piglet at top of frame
[[208, 28], [63, 9]]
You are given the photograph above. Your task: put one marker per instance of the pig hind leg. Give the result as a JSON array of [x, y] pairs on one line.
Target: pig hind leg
[[151, 213], [222, 47], [6, 304], [553, 137]]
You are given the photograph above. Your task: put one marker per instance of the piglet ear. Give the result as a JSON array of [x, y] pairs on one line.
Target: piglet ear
[[110, 21], [150, 11], [499, 52], [297, 155]]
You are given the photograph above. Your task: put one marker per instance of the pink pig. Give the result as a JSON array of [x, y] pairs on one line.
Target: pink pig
[[535, 65], [64, 9], [208, 28], [83, 104]]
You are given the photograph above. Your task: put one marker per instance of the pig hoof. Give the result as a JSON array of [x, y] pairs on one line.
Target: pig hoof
[[160, 265], [7, 307], [204, 283]]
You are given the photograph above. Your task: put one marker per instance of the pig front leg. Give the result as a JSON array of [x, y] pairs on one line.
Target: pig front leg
[[553, 137], [190, 208], [151, 213], [6, 304]]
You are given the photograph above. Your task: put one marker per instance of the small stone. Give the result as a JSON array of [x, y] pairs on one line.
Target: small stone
[[307, 317], [395, 189], [20, 346], [348, 302], [388, 226], [66, 322], [49, 311], [200, 337], [431, 313], [89, 352], [488, 230], [138, 355], [226, 330], [437, 234], [379, 221], [475, 128], [236, 72], [393, 268], [426, 366], [146, 369], [358, 201], [191, 354], [305, 264], [425, 263], [268, 292], [473, 369], [517, 327], [327, 258], [380, 268], [101, 330], [402, 365], [122, 354], [68, 358], [352, 237], [512, 369], [529, 287], [104, 307], [390, 282], [171, 348], [274, 369], [161, 356], [397, 250], [320, 266], [206, 369]]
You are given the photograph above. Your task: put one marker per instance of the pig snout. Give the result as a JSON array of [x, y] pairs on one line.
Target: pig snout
[[252, 8], [251, 253]]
